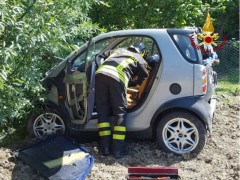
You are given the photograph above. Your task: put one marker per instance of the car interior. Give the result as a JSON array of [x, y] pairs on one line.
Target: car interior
[[135, 94]]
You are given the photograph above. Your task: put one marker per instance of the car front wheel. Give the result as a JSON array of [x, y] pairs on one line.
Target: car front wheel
[[46, 124], [181, 132]]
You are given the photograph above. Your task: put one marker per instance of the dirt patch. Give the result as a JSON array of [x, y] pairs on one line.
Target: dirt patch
[[218, 160]]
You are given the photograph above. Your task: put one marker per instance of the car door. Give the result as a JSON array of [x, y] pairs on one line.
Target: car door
[[80, 89], [80, 86]]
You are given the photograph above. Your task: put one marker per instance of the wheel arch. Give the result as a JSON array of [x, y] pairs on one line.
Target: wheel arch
[[194, 105], [49, 105]]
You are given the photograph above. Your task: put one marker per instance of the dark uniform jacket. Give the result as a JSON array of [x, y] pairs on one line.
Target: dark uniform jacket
[[123, 65]]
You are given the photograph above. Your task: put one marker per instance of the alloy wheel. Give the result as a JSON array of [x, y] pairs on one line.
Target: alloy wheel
[[48, 124], [180, 135]]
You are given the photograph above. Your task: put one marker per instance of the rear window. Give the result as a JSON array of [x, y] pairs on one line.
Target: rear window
[[188, 49]]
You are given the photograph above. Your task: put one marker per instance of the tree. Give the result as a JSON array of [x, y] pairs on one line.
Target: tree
[[225, 15], [32, 34], [127, 14]]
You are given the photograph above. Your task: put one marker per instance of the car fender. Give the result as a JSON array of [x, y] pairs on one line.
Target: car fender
[[194, 104]]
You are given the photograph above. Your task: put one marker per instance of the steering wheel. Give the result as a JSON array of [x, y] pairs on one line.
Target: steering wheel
[[99, 58]]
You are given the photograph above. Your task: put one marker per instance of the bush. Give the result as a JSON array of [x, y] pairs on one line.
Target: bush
[[32, 34]]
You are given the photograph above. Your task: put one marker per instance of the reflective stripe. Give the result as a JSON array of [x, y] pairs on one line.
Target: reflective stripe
[[115, 71], [119, 128], [120, 67], [134, 59], [65, 160], [122, 75], [131, 60], [103, 125], [123, 80], [142, 53], [119, 137], [104, 133], [124, 63], [109, 69]]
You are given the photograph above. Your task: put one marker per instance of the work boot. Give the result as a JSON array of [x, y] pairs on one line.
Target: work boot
[[121, 153], [105, 144], [106, 151]]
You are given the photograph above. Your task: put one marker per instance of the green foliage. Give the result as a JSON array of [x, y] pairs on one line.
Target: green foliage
[[225, 16], [125, 14], [148, 14], [32, 34]]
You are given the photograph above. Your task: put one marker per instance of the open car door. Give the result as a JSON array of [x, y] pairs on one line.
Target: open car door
[[80, 88]]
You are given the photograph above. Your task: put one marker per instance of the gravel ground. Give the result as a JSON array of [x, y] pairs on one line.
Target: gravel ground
[[218, 160]]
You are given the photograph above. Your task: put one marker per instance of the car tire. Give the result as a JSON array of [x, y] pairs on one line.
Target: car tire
[[181, 132], [45, 124]]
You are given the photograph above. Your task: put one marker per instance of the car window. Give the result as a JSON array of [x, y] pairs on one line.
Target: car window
[[183, 43], [79, 61], [150, 45]]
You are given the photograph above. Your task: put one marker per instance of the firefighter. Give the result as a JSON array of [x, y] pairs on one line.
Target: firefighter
[[112, 79]]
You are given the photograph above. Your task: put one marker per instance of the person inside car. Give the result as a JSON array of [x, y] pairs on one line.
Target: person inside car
[[111, 82]]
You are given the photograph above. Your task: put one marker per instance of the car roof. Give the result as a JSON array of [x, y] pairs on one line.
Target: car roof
[[139, 32], [130, 32]]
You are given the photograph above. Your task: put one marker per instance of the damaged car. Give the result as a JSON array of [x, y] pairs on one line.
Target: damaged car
[[174, 105]]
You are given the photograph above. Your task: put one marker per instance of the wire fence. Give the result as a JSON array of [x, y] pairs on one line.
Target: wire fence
[[229, 61]]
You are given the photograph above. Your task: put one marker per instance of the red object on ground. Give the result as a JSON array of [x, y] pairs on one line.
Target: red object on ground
[[153, 173]]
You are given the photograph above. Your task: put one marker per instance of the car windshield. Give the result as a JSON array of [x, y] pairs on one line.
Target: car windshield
[[96, 48]]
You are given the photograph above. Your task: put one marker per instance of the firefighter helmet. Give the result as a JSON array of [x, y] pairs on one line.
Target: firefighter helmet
[[140, 48], [152, 61]]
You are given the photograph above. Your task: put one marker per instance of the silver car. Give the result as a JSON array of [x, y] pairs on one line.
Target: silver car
[[175, 104]]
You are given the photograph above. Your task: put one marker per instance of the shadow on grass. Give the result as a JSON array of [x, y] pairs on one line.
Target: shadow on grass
[[14, 138], [232, 78], [229, 84]]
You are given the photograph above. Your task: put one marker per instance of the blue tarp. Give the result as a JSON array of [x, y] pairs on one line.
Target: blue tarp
[[58, 158]]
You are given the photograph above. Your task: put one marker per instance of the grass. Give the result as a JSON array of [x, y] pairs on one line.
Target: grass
[[229, 84]]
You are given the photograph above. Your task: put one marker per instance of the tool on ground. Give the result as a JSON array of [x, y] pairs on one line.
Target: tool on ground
[[153, 173]]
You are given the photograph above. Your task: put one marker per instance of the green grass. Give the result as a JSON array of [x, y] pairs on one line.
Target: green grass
[[229, 84]]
